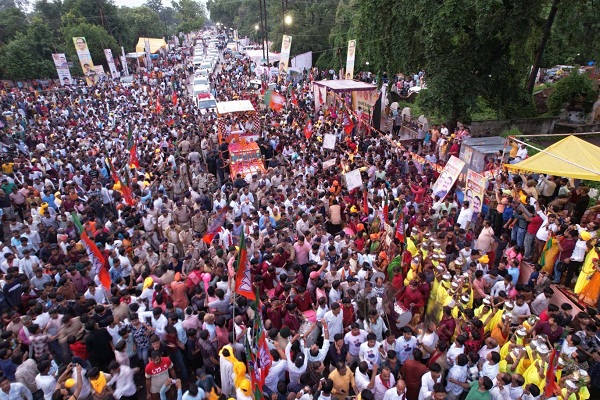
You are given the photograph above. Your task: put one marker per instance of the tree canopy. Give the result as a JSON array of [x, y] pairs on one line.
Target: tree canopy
[[30, 35]]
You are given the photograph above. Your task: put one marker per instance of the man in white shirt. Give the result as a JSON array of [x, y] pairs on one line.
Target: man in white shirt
[[405, 345], [456, 374], [429, 380], [540, 303], [370, 351], [383, 382], [354, 339], [466, 215], [334, 321], [490, 366], [123, 375], [158, 321], [501, 384], [458, 347], [396, 393]]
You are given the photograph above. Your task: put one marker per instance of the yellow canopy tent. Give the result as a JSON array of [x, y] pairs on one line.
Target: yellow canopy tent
[[571, 157], [155, 45]]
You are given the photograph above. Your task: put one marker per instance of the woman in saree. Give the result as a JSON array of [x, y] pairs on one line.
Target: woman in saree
[[549, 253]]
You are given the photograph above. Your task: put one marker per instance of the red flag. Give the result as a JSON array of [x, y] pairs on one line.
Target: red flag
[[551, 385], [94, 253], [174, 98], [132, 146], [308, 129], [365, 203], [215, 227], [243, 278], [113, 172], [158, 106], [386, 212], [348, 124], [294, 98]]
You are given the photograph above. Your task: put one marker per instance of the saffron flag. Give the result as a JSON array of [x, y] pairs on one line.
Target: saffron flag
[[274, 100], [94, 253], [294, 98], [551, 385], [132, 147], [243, 277], [365, 202], [386, 212], [348, 124], [175, 99], [400, 229], [126, 186], [308, 128], [158, 108], [215, 227]]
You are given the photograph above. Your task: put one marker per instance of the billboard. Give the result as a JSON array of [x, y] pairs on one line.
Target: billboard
[[62, 69], [350, 59], [85, 59]]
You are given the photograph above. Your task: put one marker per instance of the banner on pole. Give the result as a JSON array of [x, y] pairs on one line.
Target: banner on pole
[[449, 174], [284, 57], [114, 73], [85, 59], [62, 68], [350, 59]]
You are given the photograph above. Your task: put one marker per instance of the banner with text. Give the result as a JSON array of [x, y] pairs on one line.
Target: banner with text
[[114, 73], [62, 69], [85, 59], [475, 190], [350, 59], [449, 174], [284, 56], [365, 100]]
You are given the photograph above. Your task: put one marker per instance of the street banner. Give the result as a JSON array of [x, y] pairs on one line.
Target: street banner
[[114, 73], [449, 174], [329, 163], [365, 100], [85, 59], [474, 190], [284, 57], [350, 59], [100, 74], [62, 69]]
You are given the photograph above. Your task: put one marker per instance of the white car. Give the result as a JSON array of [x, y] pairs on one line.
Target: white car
[[206, 103], [201, 80]]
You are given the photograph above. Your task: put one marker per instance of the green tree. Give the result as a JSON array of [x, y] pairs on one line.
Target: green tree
[[575, 89], [142, 22], [50, 12], [12, 21], [97, 39], [191, 15], [29, 55]]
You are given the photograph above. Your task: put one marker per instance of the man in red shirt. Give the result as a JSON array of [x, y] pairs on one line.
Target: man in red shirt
[[158, 370], [412, 298], [534, 224]]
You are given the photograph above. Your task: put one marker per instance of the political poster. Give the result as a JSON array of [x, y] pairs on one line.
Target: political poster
[[449, 174], [353, 179], [475, 190], [284, 56], [114, 73], [329, 141], [62, 69], [85, 59], [365, 101], [350, 59]]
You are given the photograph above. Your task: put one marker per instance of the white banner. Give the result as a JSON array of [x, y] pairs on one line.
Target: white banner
[[62, 69], [329, 141], [353, 179], [350, 59], [329, 163], [111, 63], [284, 58], [474, 190], [302, 61], [147, 51], [85, 59]]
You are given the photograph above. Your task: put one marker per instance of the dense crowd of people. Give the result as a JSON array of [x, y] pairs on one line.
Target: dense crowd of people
[[396, 294]]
